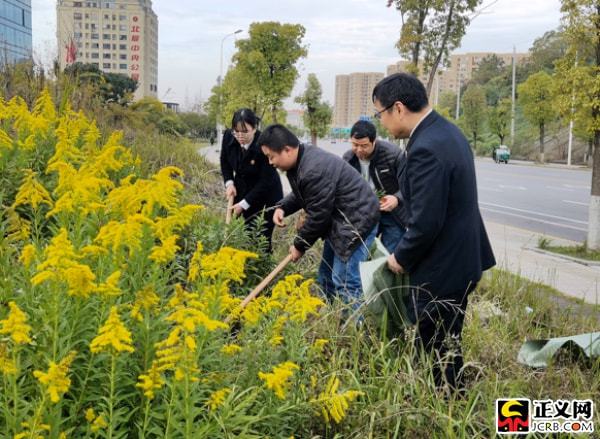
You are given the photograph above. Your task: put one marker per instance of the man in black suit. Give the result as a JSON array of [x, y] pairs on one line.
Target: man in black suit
[[446, 248]]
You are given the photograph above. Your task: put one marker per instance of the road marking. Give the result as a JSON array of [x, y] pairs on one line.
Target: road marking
[[574, 186], [556, 188], [520, 188], [576, 202], [534, 219], [535, 213], [489, 189]]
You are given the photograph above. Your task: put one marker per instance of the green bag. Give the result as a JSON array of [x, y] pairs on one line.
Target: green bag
[[537, 353], [386, 294]]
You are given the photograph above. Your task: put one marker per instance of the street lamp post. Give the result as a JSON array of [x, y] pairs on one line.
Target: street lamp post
[[219, 122]]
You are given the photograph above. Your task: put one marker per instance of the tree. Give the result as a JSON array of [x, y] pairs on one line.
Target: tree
[[546, 50], [499, 119], [111, 87], [488, 68], [268, 59], [317, 114], [474, 111], [536, 99], [447, 103], [578, 76], [198, 125], [434, 28]]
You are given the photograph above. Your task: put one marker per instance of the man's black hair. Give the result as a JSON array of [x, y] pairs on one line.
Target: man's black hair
[[276, 137], [362, 129], [244, 115], [402, 87]]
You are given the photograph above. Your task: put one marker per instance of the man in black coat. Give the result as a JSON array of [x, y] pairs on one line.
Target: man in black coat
[[381, 164], [446, 248], [256, 185], [340, 207]]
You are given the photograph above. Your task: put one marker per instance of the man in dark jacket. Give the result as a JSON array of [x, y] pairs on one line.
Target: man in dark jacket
[[340, 206], [381, 164], [446, 248]]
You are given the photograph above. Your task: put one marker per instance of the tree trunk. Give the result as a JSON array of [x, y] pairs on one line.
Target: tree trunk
[[501, 139], [313, 138], [475, 140], [542, 131], [438, 57], [417, 48], [593, 239], [588, 156]]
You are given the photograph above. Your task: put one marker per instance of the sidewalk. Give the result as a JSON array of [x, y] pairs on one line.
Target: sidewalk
[[513, 248], [514, 251]]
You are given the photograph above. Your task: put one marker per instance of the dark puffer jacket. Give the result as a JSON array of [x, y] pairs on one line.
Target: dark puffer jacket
[[386, 167], [339, 204]]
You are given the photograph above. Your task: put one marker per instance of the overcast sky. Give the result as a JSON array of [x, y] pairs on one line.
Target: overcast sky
[[343, 36]]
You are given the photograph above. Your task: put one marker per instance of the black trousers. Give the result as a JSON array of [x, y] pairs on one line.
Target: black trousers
[[439, 324]]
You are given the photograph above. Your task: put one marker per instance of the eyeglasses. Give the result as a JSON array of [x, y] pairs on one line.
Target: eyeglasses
[[239, 133], [377, 114]]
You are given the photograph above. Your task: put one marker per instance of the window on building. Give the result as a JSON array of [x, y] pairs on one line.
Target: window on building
[[122, 17], [95, 36], [123, 56], [106, 36], [123, 66], [95, 46], [106, 65], [106, 56], [122, 46], [95, 55], [122, 37], [106, 46], [77, 4], [77, 16]]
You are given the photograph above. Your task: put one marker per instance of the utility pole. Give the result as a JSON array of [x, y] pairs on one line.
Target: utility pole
[[571, 122], [514, 94]]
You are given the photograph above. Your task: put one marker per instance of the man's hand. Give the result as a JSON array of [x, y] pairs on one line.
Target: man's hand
[[237, 210], [388, 203], [393, 265], [230, 192], [278, 217], [296, 254]]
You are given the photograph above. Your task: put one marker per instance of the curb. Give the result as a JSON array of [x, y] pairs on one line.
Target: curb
[[565, 257]]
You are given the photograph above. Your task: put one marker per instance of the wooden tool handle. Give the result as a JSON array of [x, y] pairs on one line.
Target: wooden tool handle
[[229, 210], [263, 284]]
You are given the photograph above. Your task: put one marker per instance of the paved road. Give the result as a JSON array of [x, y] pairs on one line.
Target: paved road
[[547, 200]]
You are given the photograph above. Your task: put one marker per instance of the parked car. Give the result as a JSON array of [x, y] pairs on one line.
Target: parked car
[[501, 154]]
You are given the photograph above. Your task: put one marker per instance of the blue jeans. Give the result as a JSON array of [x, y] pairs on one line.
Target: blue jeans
[[340, 278], [391, 232]]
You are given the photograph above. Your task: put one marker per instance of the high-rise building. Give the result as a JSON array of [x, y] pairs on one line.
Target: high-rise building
[[15, 30], [118, 36], [353, 97], [459, 71]]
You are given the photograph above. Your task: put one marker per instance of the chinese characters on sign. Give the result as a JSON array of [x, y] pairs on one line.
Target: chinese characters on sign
[[136, 31]]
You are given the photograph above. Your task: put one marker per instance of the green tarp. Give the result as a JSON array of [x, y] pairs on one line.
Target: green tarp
[[537, 353], [385, 293]]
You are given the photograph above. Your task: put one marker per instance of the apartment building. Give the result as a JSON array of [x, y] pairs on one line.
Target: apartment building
[[118, 36]]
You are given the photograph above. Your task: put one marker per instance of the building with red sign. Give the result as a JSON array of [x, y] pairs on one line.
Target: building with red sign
[[118, 36]]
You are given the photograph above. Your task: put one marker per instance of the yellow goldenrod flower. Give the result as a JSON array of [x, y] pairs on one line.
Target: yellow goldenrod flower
[[116, 236], [18, 229], [194, 268], [56, 381], [99, 424], [333, 405], [162, 254], [80, 279], [7, 365], [217, 398], [319, 344], [90, 415], [60, 253], [278, 380], [227, 264], [113, 335], [295, 298], [150, 381], [32, 192], [6, 142], [231, 349], [27, 255], [32, 433], [110, 288], [175, 221], [146, 300], [15, 325]]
